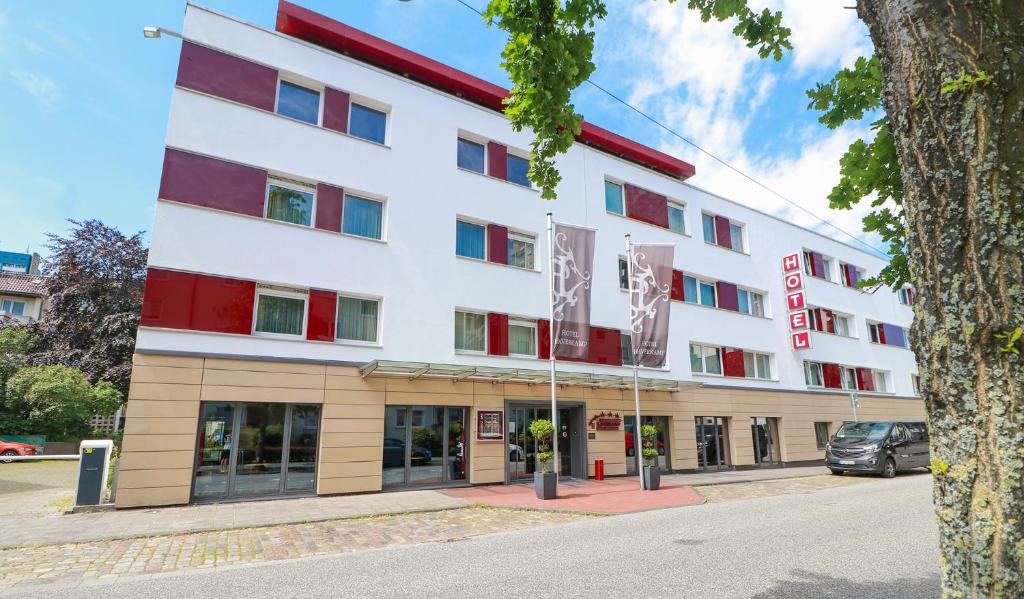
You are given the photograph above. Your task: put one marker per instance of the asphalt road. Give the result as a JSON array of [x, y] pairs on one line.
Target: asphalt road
[[871, 540]]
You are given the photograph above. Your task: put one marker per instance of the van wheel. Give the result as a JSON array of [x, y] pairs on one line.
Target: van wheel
[[836, 472], [889, 470]]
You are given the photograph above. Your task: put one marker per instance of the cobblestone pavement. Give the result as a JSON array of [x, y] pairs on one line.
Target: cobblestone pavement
[[771, 488], [106, 560]]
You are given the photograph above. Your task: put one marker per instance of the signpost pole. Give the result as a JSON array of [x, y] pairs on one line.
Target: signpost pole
[[854, 400], [638, 448], [551, 352]]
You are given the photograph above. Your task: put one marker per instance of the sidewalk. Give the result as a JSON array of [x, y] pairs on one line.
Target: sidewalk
[[726, 477]]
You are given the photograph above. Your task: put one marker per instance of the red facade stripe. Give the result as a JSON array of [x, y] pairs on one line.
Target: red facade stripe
[[865, 379], [677, 285], [497, 244], [323, 314], [225, 76], [336, 106], [723, 232], [212, 183], [497, 334], [646, 206], [728, 296], [180, 300], [497, 160], [732, 362], [544, 339], [833, 379], [329, 203]]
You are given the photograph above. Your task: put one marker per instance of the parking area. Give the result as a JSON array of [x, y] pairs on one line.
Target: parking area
[[36, 488]]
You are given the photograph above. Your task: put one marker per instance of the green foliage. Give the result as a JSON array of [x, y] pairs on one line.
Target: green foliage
[[56, 401], [649, 438], [549, 54], [850, 94], [426, 438], [965, 83], [543, 431], [15, 342], [1011, 338]]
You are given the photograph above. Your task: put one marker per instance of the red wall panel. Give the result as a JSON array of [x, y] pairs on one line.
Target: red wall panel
[[728, 299], [732, 362], [223, 75], [336, 104], [544, 339], [723, 232], [646, 206], [881, 332], [605, 346], [329, 202], [865, 379], [817, 265], [833, 380], [829, 318], [204, 181], [179, 300], [497, 160], [677, 285], [497, 334], [497, 244], [323, 314]]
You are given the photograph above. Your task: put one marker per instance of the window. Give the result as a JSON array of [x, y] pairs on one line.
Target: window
[[520, 251], [756, 365], [516, 170], [470, 240], [736, 237], [750, 302], [821, 435], [362, 217], [471, 155], [849, 377], [613, 198], [706, 359], [689, 289], [298, 102], [677, 218], [881, 381], [357, 319], [812, 374], [12, 307], [626, 348], [826, 272], [708, 221], [522, 338], [842, 323], [915, 380], [906, 296], [289, 205], [280, 314], [844, 274], [808, 264], [367, 123], [707, 294], [623, 274], [470, 331]]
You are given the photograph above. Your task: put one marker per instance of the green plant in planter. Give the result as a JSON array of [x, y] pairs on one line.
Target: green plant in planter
[[649, 437], [542, 431]]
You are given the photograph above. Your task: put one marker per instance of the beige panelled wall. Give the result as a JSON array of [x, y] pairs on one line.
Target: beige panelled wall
[[163, 411]]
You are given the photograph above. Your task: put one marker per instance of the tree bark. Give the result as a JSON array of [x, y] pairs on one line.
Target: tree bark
[[962, 166]]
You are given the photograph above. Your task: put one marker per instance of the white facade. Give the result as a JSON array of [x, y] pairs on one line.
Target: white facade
[[414, 270]]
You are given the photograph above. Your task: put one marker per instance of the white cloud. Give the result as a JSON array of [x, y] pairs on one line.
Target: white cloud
[[824, 34], [39, 86]]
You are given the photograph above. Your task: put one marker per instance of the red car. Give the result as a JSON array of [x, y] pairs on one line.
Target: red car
[[631, 443], [9, 449]]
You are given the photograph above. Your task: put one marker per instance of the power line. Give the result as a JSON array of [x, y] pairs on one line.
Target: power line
[[716, 158]]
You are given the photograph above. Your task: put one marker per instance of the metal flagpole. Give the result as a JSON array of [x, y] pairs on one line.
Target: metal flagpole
[[551, 348], [638, 452]]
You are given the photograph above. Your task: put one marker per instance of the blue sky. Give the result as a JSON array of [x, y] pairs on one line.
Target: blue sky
[[85, 97]]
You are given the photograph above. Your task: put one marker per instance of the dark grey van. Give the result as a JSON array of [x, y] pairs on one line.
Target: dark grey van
[[878, 447]]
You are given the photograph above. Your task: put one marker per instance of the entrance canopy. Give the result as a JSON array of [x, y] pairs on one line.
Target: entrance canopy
[[460, 372]]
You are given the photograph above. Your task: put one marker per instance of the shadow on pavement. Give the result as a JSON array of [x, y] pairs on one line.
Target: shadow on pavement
[[819, 586]]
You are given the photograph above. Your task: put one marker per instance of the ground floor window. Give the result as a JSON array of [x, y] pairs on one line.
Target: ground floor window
[[712, 442], [424, 445], [765, 437], [254, 449], [821, 435], [661, 442]]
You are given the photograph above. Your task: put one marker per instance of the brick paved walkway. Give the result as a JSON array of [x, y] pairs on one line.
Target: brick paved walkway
[[74, 563], [610, 496], [771, 488]]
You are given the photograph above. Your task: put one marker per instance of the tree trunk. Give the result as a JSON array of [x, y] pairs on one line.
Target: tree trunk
[[962, 163]]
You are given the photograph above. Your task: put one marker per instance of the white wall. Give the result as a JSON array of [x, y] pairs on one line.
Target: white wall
[[416, 271]]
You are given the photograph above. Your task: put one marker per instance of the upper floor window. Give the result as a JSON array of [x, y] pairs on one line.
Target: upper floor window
[[706, 359], [812, 374], [357, 319], [517, 169], [708, 223], [470, 240], [677, 218], [848, 376], [887, 334], [824, 320], [626, 349], [915, 380], [470, 332], [280, 312], [520, 250], [289, 204], [736, 237], [882, 381], [298, 102], [850, 275], [817, 265], [723, 232], [613, 198], [906, 296], [522, 338], [757, 365], [707, 294], [471, 156], [750, 302], [367, 123], [362, 217], [12, 308]]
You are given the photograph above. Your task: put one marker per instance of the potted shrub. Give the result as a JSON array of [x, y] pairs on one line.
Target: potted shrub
[[649, 438], [545, 482]]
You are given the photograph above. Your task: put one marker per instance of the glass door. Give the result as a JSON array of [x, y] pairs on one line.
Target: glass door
[[424, 445], [765, 434], [712, 443], [518, 444], [661, 442]]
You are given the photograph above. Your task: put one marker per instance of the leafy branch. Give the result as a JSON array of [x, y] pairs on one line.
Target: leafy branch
[[965, 83], [1011, 338]]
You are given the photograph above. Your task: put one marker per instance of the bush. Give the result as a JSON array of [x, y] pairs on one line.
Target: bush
[[543, 431], [56, 401], [649, 434]]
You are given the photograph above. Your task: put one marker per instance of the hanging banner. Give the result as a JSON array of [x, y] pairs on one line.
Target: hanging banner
[[572, 265], [651, 290]]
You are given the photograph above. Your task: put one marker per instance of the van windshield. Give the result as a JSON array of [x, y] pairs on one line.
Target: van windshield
[[863, 431]]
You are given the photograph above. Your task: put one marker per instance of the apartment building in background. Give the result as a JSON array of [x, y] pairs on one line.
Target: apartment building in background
[[348, 286]]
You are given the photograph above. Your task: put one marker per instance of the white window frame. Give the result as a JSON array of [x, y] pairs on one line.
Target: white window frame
[[526, 324], [476, 139], [827, 263], [714, 228], [874, 327], [681, 207], [622, 194], [743, 236], [810, 365], [306, 83], [472, 352], [12, 302], [845, 371], [475, 223], [383, 214], [517, 154], [623, 335], [293, 185], [848, 319], [883, 377], [374, 105], [703, 364], [526, 237], [377, 342], [275, 291], [700, 292]]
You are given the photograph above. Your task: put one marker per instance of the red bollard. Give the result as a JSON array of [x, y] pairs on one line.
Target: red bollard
[[599, 469]]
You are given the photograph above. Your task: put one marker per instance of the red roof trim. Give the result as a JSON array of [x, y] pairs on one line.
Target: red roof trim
[[318, 29]]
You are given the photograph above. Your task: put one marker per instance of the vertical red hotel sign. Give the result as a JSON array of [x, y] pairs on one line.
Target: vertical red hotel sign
[[796, 302]]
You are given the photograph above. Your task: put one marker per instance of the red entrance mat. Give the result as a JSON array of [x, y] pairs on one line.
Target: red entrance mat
[[612, 496]]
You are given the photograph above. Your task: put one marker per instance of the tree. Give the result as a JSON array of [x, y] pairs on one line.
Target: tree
[[15, 342], [945, 172], [96, 279], [56, 401]]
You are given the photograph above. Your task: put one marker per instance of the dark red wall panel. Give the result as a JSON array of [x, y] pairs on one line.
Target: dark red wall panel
[[223, 75], [329, 202], [722, 232], [865, 379], [323, 315], [732, 362], [497, 160], [544, 339], [179, 300], [605, 346], [212, 183], [646, 206], [497, 244], [851, 275], [497, 334], [831, 375], [829, 318], [336, 103], [728, 299], [677, 285], [817, 265]]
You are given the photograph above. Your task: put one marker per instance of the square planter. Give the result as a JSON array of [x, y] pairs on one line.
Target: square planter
[[546, 485], [652, 478]]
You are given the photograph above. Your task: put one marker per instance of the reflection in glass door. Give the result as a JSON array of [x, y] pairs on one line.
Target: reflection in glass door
[[522, 446], [661, 441], [712, 443], [424, 445], [765, 434]]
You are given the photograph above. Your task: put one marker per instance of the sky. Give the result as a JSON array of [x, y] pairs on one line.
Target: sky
[[84, 98]]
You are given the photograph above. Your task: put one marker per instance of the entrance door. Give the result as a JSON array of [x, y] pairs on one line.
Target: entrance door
[[522, 446], [661, 441], [424, 445], [712, 443], [765, 436]]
